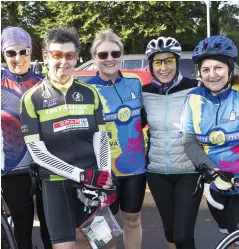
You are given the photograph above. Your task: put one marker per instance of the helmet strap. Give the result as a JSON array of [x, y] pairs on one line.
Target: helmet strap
[[227, 85]]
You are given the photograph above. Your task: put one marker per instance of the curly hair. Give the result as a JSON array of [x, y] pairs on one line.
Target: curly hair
[[61, 35]]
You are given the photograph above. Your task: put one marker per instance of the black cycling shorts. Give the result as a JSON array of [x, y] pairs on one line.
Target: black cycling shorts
[[63, 210], [227, 218], [130, 194]]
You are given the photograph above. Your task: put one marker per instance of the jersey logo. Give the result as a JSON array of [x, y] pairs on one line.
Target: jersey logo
[[115, 143], [124, 114], [217, 137], [77, 97], [24, 129], [46, 94], [71, 124], [232, 116], [133, 95], [49, 103]]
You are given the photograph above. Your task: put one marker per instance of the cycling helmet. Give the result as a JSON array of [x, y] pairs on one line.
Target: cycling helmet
[[215, 45], [163, 44]]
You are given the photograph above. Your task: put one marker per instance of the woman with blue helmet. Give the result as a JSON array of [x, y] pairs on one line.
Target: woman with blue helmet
[[210, 122], [171, 175]]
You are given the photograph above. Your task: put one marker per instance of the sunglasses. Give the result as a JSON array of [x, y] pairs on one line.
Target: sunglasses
[[59, 55], [13, 53], [167, 61], [104, 55]]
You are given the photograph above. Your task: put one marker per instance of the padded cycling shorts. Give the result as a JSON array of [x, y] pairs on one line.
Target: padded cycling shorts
[[130, 194]]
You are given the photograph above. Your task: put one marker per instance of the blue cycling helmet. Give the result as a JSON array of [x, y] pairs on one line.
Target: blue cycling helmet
[[215, 45]]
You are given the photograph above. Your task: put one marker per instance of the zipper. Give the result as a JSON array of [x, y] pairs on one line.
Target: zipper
[[218, 109], [122, 102], [71, 135], [20, 84], [166, 134]]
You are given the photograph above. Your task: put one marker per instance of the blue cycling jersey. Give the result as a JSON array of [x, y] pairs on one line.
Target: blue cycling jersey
[[122, 113], [215, 122]]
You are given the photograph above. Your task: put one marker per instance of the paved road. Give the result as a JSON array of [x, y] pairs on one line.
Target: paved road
[[206, 232]]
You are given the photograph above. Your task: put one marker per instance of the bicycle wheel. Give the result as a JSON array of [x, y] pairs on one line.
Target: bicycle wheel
[[7, 237], [229, 240]]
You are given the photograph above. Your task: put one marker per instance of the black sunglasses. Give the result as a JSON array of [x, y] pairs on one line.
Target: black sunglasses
[[13, 53], [104, 55]]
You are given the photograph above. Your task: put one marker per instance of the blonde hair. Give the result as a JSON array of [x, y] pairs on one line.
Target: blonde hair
[[106, 35]]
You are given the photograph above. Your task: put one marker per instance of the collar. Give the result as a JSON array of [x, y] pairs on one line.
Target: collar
[[18, 77], [222, 96], [65, 87], [100, 81], [167, 86]]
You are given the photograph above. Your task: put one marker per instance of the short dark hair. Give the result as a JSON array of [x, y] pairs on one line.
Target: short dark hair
[[61, 35]]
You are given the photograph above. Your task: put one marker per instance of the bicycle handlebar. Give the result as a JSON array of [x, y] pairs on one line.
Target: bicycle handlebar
[[208, 179], [210, 198]]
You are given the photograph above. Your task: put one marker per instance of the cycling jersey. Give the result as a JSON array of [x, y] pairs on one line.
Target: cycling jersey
[[64, 128], [16, 155], [215, 122], [122, 106]]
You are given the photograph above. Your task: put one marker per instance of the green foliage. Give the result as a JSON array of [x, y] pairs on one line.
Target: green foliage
[[135, 22]]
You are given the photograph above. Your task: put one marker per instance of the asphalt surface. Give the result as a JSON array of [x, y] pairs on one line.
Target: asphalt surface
[[206, 231]]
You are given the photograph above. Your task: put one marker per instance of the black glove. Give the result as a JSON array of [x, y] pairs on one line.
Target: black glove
[[223, 180], [94, 177]]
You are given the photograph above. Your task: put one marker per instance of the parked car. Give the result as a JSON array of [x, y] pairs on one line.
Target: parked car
[[139, 62], [85, 75], [130, 61]]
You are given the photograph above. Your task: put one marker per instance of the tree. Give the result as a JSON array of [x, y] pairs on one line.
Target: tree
[[135, 22]]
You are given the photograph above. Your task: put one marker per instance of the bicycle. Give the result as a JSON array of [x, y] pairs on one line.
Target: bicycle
[[208, 179], [7, 237], [8, 240], [228, 241]]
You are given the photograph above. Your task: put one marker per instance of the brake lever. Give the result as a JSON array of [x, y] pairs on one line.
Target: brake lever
[[199, 184]]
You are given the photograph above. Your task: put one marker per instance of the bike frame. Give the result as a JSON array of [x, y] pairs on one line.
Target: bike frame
[[7, 236]]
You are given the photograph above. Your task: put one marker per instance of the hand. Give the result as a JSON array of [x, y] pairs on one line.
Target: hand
[[223, 181], [94, 197], [96, 178], [215, 174]]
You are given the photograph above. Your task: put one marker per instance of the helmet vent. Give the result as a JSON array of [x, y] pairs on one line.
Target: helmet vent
[[153, 44], [205, 45], [160, 43], [169, 41], [229, 48], [217, 45]]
